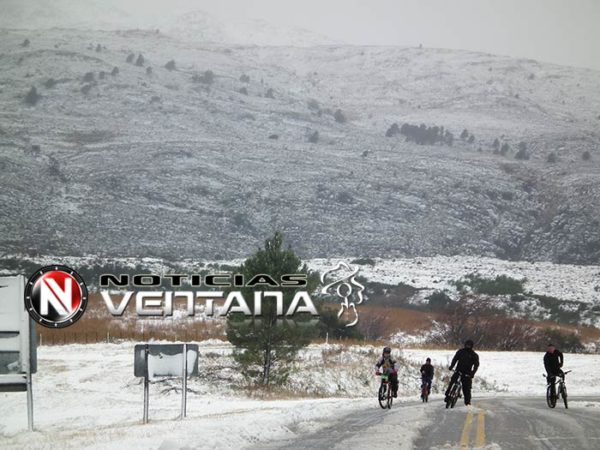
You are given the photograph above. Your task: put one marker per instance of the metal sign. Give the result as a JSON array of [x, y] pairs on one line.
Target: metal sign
[[165, 360], [18, 343]]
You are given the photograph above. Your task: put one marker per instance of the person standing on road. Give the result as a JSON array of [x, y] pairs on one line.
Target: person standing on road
[[467, 363], [553, 362]]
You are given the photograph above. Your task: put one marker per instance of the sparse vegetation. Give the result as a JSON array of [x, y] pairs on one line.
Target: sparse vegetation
[[115, 71], [140, 60], [270, 93], [243, 90], [245, 78], [552, 158], [86, 88], [148, 70], [25, 43], [88, 77], [314, 137], [130, 58], [586, 156]]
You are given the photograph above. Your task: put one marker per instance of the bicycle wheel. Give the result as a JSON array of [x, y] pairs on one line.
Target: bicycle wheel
[[550, 399], [456, 395], [449, 396], [390, 398], [564, 395], [383, 389]]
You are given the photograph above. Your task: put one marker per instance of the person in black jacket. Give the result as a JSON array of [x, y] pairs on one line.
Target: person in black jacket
[[467, 363], [553, 362], [426, 375]]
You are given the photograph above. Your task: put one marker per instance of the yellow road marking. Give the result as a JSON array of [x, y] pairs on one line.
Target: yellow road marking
[[480, 435], [464, 437]]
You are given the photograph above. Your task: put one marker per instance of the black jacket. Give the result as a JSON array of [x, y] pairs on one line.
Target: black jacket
[[553, 362], [427, 371], [466, 361]]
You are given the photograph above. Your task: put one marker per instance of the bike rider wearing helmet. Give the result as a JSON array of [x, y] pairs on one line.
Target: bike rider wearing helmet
[[427, 374], [467, 363], [553, 362], [387, 365]]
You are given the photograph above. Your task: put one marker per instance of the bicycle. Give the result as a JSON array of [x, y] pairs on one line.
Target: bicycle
[[385, 395], [552, 395], [424, 390], [455, 391]]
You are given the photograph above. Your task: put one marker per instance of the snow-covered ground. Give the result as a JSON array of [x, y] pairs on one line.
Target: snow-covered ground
[[563, 281], [87, 396]]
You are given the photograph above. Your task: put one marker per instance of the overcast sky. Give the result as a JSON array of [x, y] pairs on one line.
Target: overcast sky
[[561, 31]]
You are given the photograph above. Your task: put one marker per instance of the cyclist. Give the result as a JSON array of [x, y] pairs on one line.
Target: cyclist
[[467, 363], [426, 375], [553, 362], [388, 365]]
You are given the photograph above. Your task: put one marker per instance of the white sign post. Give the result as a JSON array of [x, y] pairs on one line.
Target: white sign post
[[18, 355], [153, 361]]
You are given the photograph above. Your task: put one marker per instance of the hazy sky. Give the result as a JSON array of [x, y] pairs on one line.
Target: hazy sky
[[560, 31]]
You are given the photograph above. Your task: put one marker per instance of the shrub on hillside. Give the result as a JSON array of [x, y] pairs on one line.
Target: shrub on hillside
[[88, 77], [393, 130], [140, 60], [552, 158], [245, 78], [501, 285], [270, 93], [32, 96], [586, 156], [207, 77], [50, 83], [170, 65], [339, 116], [522, 154], [314, 137], [115, 71], [130, 58]]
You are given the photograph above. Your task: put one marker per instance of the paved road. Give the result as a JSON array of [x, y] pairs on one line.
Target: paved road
[[492, 423]]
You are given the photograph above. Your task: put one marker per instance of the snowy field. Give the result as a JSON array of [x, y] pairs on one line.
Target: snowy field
[[87, 396], [563, 281]]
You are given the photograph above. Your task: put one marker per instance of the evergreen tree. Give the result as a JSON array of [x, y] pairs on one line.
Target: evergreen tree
[[266, 346]]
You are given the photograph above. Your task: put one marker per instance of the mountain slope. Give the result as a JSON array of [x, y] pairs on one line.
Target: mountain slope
[[161, 165]]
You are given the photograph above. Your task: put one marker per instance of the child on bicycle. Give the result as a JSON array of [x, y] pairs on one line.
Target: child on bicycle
[[387, 365], [427, 375]]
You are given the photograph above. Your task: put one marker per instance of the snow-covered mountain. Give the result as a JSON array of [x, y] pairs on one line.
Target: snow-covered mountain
[[179, 163]]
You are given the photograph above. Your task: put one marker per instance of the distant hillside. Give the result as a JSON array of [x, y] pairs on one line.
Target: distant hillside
[[208, 159]]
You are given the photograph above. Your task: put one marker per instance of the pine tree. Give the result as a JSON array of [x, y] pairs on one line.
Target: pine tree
[[266, 346]]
